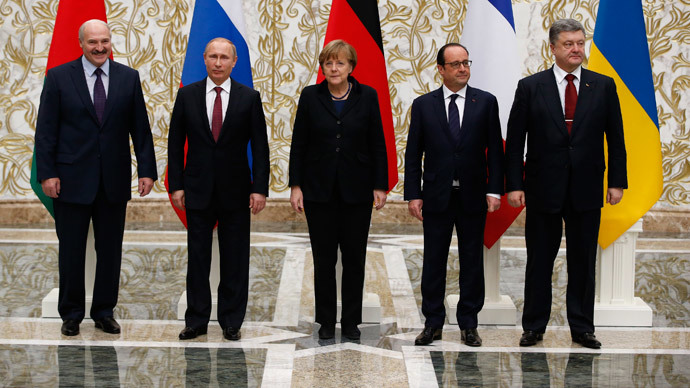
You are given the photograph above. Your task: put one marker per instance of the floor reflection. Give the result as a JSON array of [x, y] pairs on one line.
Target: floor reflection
[[537, 369]]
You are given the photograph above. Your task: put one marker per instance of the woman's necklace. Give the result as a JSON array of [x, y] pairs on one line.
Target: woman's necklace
[[349, 87]]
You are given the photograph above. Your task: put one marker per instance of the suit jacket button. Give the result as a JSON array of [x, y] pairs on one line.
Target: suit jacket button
[[337, 149], [338, 122], [337, 136]]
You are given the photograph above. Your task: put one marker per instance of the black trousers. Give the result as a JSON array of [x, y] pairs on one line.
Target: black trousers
[[543, 232], [72, 227], [332, 225], [233, 246], [438, 232]]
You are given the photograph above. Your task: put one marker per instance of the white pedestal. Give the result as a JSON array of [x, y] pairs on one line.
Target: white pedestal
[[49, 305], [615, 303], [214, 280], [371, 304], [498, 309]]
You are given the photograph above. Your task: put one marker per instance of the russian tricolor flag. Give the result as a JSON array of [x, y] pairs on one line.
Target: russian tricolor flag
[[489, 35], [620, 51], [213, 19]]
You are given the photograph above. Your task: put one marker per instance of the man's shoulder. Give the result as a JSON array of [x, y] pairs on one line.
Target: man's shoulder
[[539, 76], [479, 92], [65, 67], [590, 75], [429, 96]]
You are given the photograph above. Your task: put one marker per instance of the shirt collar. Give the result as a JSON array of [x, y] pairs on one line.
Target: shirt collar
[[447, 92], [560, 73], [89, 67], [225, 85]]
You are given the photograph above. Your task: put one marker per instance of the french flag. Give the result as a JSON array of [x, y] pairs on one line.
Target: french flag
[[214, 19], [489, 35]]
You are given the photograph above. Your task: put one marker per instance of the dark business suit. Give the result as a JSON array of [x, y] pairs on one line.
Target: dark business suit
[[476, 161], [563, 180], [338, 159], [93, 162], [217, 182]]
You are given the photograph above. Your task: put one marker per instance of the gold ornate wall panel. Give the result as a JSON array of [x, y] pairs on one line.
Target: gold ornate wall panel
[[284, 41]]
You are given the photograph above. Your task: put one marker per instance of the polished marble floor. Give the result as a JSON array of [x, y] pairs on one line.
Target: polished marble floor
[[279, 346]]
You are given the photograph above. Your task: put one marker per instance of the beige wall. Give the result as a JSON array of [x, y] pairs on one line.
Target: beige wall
[[284, 41]]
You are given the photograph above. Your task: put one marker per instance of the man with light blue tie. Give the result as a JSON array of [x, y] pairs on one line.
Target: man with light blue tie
[[89, 109]]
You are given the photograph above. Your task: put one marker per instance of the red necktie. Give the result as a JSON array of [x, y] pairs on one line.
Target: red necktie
[[217, 117], [570, 102]]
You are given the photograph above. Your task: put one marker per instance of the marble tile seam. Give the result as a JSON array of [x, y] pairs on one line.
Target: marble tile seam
[[338, 347], [149, 344]]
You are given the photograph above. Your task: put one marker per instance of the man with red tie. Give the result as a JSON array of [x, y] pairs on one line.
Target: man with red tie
[[563, 113], [218, 117]]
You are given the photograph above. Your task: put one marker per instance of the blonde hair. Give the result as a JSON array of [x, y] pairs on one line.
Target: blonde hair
[[336, 47]]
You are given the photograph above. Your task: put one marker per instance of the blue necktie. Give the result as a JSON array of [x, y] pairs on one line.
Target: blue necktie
[[454, 118], [99, 96]]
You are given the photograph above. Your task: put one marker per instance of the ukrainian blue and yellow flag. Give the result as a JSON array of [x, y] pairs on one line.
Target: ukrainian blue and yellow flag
[[620, 50]]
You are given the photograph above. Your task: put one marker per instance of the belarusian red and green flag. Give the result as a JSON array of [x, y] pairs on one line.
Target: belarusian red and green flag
[[64, 47]]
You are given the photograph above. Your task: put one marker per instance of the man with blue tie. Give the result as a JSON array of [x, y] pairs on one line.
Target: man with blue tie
[[89, 109], [456, 131]]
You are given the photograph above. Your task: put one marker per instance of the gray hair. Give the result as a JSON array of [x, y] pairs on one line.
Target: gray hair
[[222, 40], [566, 25], [98, 21]]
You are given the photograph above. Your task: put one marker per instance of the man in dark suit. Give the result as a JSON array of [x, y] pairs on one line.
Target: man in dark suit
[[456, 131], [566, 110], [89, 109], [217, 116]]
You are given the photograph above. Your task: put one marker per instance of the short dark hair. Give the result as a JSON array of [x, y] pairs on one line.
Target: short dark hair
[[440, 58], [561, 25]]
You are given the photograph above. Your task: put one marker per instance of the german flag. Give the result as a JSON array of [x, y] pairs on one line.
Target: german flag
[[64, 47], [357, 23]]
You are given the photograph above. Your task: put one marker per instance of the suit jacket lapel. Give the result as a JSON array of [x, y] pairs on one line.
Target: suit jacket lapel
[[113, 88], [584, 98], [552, 100], [235, 91], [79, 80], [470, 100], [440, 113], [324, 98], [201, 100]]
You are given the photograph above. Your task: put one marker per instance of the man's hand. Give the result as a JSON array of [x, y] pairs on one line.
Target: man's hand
[[516, 198], [614, 195], [296, 199], [51, 187], [145, 186], [492, 203], [178, 199], [415, 208], [257, 202], [379, 199]]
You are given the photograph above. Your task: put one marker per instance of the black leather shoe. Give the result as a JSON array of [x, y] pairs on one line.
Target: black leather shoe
[[588, 340], [470, 337], [351, 332], [70, 327], [108, 325], [232, 334], [326, 332], [428, 335], [530, 338], [189, 333]]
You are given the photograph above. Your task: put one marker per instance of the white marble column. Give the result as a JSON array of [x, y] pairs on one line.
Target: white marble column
[[498, 309], [616, 303], [49, 305]]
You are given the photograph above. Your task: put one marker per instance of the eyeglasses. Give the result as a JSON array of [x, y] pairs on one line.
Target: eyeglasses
[[456, 64]]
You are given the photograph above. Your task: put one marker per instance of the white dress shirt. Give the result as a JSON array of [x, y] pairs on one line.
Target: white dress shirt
[[89, 73], [561, 82], [211, 97]]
